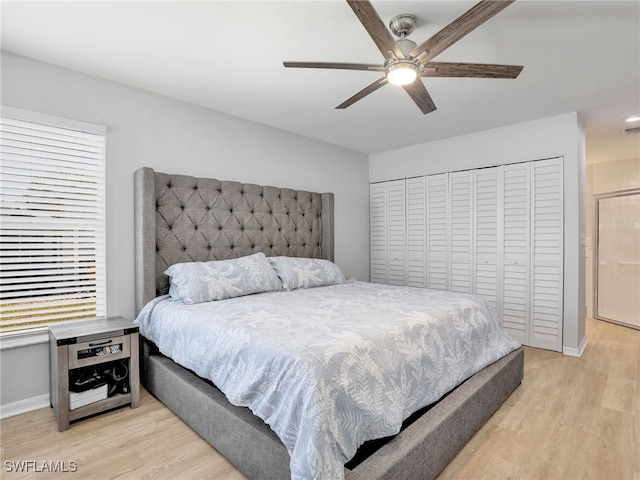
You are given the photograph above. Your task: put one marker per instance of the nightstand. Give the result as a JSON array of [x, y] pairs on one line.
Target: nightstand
[[82, 352]]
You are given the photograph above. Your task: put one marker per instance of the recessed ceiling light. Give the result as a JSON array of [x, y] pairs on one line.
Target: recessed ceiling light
[[632, 119]]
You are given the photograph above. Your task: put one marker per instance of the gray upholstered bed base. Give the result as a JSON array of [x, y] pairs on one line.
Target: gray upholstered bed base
[[419, 452], [180, 219]]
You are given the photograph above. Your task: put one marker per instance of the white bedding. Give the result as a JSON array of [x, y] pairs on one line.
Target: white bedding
[[331, 367]]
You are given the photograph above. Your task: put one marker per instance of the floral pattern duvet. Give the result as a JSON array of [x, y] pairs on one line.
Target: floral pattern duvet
[[328, 368]]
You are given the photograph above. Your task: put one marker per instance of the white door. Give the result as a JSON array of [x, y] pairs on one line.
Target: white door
[[496, 232], [618, 267], [547, 246], [488, 211], [378, 232], [416, 233], [437, 231], [397, 231], [461, 261], [515, 253]]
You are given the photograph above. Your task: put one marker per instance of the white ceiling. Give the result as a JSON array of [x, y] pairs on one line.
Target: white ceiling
[[579, 56]]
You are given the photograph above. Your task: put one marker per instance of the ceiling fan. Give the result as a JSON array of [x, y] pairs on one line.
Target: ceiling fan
[[405, 61]]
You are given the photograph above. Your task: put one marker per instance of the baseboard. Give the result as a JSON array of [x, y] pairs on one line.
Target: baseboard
[[576, 352], [24, 406]]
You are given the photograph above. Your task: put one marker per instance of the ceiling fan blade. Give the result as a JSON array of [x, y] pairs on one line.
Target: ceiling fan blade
[[375, 27], [336, 65], [418, 92], [381, 82], [465, 23], [475, 70]]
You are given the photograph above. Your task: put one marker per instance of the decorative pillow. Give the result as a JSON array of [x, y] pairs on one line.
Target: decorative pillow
[[306, 272], [197, 282]]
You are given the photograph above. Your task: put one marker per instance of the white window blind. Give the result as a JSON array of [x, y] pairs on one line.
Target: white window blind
[[52, 214]]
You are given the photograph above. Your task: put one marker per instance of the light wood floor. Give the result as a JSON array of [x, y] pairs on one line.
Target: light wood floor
[[572, 418]]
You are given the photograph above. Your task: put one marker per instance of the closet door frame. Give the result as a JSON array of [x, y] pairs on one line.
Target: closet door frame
[[537, 279]]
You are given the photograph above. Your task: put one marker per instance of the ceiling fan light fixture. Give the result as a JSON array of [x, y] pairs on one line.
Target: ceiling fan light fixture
[[405, 61], [401, 73]]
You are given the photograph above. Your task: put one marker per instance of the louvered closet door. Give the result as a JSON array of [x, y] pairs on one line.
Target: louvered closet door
[[437, 231], [516, 253], [397, 232], [488, 186], [416, 239], [547, 254], [378, 232], [461, 195]]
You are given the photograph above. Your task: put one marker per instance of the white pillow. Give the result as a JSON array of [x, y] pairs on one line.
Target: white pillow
[[306, 272], [197, 282]]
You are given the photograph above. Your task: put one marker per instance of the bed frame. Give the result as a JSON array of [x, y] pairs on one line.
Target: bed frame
[[180, 219]]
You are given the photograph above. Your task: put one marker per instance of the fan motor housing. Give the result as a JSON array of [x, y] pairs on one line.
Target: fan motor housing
[[402, 25]]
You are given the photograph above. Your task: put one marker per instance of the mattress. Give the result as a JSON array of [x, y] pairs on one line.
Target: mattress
[[329, 368]]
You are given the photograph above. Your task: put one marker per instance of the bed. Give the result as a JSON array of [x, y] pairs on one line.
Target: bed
[[182, 219]]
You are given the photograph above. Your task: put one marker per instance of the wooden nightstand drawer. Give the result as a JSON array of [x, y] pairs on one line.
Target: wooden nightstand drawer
[[99, 351], [89, 352]]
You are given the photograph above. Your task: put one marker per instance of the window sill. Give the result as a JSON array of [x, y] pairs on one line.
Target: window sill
[[19, 339], [23, 339]]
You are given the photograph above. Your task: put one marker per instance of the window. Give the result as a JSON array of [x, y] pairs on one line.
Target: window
[[52, 220]]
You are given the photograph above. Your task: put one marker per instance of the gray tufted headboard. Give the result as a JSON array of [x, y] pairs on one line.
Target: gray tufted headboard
[[179, 218]]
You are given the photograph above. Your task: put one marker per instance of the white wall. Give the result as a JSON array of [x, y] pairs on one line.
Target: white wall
[[145, 129], [558, 136]]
